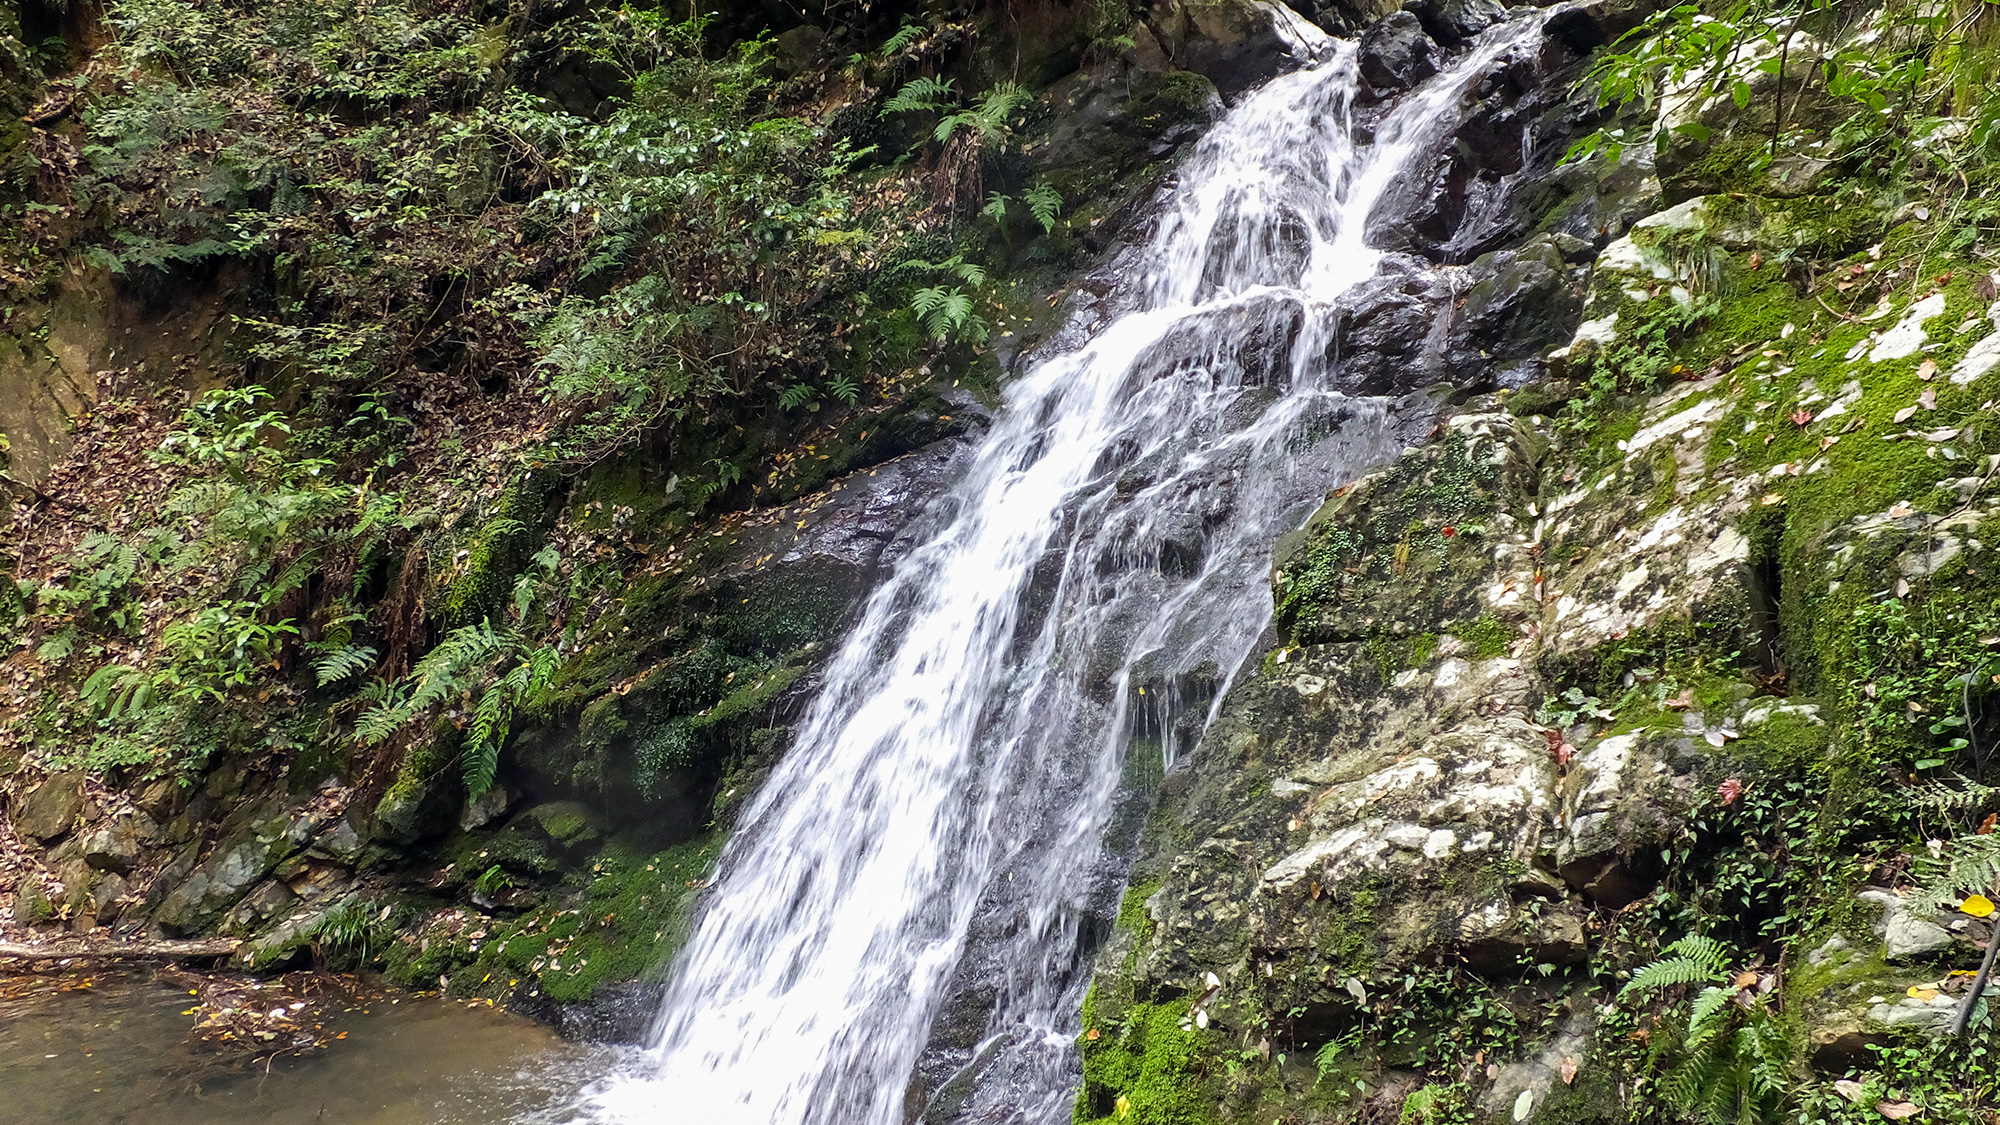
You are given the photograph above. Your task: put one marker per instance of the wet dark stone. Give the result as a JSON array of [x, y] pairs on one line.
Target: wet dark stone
[[1452, 22], [1232, 43], [1390, 331], [1396, 54], [1586, 27], [1521, 303], [1501, 176]]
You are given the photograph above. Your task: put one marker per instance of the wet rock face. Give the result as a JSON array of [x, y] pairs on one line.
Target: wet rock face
[[1391, 788], [1232, 43], [1503, 175], [780, 584], [1396, 54]]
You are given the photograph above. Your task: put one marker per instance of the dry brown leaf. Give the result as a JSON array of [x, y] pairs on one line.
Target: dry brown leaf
[[1896, 1111], [1568, 1070], [1850, 1089], [1927, 370]]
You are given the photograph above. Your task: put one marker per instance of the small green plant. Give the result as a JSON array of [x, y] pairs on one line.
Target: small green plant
[[946, 310], [1572, 705], [497, 665], [353, 932], [1438, 1105], [1733, 1064]]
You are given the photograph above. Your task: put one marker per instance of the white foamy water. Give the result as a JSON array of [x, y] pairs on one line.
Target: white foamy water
[[1111, 534]]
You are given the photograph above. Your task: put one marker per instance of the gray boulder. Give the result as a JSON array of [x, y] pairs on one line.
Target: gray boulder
[[51, 810]]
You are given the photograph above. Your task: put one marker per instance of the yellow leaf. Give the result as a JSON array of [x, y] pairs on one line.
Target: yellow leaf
[[1922, 993], [1123, 1107], [1979, 906]]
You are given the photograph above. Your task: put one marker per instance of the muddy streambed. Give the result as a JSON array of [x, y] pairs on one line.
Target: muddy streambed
[[146, 1048]]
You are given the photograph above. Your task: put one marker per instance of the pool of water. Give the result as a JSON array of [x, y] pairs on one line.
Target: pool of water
[[114, 1050]]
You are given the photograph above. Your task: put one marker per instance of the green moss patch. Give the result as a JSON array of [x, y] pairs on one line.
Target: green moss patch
[[624, 922]]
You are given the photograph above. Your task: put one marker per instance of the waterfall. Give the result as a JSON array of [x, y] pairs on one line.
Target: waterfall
[[1090, 584]]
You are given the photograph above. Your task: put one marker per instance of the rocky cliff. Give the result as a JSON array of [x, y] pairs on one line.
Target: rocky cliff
[[1688, 637], [1671, 626]]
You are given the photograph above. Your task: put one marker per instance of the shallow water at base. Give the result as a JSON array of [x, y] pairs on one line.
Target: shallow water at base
[[111, 1054]]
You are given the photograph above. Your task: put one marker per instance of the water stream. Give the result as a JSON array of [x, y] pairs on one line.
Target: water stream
[[1089, 586]]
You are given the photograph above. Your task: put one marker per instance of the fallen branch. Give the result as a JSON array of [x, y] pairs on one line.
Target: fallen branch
[[128, 950]]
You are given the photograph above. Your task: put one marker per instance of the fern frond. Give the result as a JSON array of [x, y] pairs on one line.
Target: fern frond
[[1707, 1017], [923, 94], [796, 395], [906, 35], [291, 578], [1691, 960], [458, 659], [1964, 797], [344, 662], [1969, 864], [379, 722], [1045, 204]]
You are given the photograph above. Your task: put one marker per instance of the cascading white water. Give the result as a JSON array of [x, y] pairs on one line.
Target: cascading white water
[[1111, 535]]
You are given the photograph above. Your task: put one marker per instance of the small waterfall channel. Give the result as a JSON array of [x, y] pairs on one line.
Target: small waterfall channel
[[1085, 591]]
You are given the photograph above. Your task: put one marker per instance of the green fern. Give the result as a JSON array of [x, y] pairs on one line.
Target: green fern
[[1968, 865], [1965, 797], [1690, 960], [495, 713], [844, 389], [905, 37], [971, 273], [1733, 1065], [797, 395], [987, 116], [1702, 1021], [1045, 204], [922, 95], [946, 313], [343, 663]]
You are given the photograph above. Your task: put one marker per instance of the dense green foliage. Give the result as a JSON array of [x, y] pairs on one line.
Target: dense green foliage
[[471, 253]]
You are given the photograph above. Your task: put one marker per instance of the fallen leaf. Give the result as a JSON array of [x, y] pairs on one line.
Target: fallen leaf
[[1900, 509], [1920, 992], [1986, 826], [1743, 980], [1902, 587], [1979, 906], [1850, 1089], [1568, 1070], [1927, 370], [1091, 1035], [1727, 792], [1896, 1111], [1928, 400], [1903, 415]]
